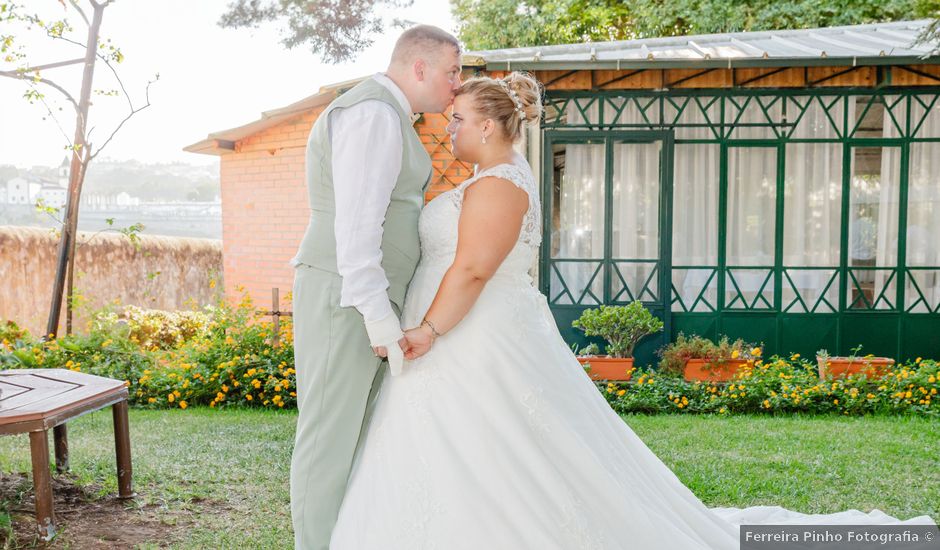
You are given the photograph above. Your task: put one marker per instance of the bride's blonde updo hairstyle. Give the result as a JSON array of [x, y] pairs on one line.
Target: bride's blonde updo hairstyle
[[513, 102]]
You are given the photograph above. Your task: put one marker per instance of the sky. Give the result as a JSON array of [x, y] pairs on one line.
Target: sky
[[211, 79]]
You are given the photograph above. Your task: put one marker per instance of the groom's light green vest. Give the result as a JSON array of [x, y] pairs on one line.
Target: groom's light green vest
[[400, 249]]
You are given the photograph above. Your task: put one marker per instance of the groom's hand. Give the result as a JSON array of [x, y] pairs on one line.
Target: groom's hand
[[382, 351]]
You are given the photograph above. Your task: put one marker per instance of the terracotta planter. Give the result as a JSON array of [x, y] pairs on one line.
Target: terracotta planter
[[873, 367], [699, 369], [604, 367]]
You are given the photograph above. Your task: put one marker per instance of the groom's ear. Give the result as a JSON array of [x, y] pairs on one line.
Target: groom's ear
[[420, 68]]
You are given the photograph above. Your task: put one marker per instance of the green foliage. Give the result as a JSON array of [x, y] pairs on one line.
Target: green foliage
[[785, 386], [675, 355], [220, 355], [622, 326], [491, 24], [335, 29]]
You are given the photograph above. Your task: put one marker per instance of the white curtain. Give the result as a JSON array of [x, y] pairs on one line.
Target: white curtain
[[873, 215], [812, 209], [581, 205], [695, 216], [923, 219]]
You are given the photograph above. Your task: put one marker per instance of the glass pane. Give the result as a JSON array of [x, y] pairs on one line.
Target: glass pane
[[695, 205], [578, 201], [922, 291], [752, 191], [923, 206], [631, 281], [574, 282], [635, 223], [694, 290], [577, 222], [925, 116], [873, 204], [638, 112], [818, 117], [753, 117], [871, 288], [749, 289], [810, 291], [877, 116], [813, 204], [694, 117]]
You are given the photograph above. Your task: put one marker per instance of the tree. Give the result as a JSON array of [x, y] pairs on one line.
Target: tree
[[494, 24], [335, 29], [17, 64]]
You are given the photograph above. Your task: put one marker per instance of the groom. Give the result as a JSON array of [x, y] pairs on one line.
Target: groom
[[366, 173]]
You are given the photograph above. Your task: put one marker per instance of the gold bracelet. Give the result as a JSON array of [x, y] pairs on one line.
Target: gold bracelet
[[433, 330]]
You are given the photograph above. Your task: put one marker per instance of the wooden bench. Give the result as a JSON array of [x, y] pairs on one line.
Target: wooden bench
[[34, 400]]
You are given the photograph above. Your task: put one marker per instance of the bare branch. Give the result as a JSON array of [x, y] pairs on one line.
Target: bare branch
[[51, 114], [80, 11], [128, 117], [54, 65], [117, 77], [18, 75]]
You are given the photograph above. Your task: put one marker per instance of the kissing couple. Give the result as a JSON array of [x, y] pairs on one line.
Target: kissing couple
[[487, 434]]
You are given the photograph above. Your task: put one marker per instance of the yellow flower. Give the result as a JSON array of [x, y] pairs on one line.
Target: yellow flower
[[171, 398], [932, 379], [756, 352], [794, 357], [152, 400], [249, 397], [176, 393], [836, 401], [619, 393], [766, 403], [735, 354], [183, 404], [721, 410], [70, 363]]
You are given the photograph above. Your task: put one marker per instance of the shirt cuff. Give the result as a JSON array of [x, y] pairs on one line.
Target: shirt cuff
[[385, 331]]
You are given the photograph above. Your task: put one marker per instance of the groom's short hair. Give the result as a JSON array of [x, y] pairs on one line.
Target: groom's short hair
[[422, 41]]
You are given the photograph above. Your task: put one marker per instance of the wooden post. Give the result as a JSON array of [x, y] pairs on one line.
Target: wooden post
[[61, 439], [122, 443], [42, 484]]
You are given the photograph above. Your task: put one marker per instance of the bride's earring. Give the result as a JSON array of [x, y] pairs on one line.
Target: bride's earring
[[484, 138]]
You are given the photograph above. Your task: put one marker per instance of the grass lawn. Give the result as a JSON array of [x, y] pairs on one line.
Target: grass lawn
[[211, 478]]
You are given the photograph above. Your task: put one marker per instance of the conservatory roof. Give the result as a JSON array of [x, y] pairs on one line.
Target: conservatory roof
[[871, 44]]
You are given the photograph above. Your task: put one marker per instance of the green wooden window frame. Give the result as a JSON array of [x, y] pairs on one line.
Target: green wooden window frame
[[664, 115]]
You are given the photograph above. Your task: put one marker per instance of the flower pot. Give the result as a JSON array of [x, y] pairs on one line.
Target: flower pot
[[873, 367], [604, 367], [701, 369]]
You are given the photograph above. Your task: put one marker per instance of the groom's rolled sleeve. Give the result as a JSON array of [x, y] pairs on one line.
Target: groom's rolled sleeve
[[366, 156]]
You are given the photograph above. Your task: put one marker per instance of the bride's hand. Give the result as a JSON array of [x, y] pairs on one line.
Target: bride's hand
[[419, 340]]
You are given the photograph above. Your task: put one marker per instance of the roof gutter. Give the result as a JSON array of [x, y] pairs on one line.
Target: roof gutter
[[729, 63]]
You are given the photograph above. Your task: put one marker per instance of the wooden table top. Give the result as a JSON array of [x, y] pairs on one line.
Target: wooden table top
[[39, 399]]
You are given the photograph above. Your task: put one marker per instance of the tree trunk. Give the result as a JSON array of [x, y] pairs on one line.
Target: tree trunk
[[80, 157]]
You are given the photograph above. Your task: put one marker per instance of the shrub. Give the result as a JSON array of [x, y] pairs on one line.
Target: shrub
[[621, 326]]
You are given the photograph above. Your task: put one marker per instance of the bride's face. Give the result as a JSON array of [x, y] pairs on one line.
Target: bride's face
[[467, 128]]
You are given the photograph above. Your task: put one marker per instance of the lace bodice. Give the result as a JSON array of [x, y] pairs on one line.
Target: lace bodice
[[438, 223]]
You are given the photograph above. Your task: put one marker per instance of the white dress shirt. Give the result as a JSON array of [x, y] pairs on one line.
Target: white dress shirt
[[367, 146]]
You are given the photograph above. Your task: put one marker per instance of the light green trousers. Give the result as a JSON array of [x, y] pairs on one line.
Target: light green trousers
[[338, 377]]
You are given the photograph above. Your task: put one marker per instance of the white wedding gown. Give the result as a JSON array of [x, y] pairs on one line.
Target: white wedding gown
[[497, 440]]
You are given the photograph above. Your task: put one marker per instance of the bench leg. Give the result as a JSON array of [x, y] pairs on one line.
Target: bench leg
[[60, 436], [122, 443], [42, 484]]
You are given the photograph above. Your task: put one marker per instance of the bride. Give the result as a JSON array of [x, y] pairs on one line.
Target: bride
[[492, 437]]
